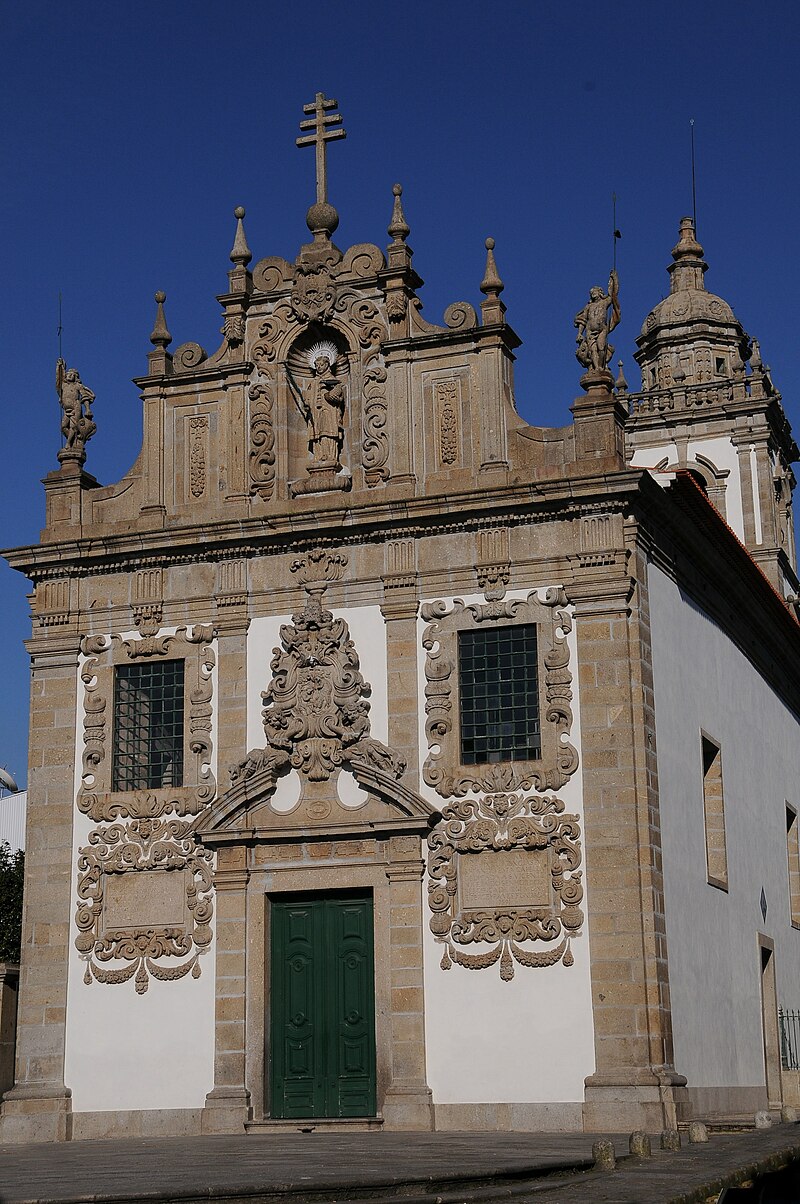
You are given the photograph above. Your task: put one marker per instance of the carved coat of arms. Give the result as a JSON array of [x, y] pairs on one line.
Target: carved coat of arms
[[314, 294]]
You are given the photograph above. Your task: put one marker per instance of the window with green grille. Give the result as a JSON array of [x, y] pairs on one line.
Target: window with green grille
[[499, 692], [148, 726]]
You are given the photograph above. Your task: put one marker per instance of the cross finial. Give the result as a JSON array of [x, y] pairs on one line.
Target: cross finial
[[320, 123]]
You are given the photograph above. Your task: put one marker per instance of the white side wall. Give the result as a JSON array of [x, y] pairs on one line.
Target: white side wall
[[530, 1040], [128, 1051], [702, 680]]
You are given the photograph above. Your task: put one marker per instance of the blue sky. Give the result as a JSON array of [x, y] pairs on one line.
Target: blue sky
[[131, 130]]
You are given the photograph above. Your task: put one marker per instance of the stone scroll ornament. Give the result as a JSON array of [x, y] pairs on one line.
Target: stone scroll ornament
[[503, 873], [129, 875]]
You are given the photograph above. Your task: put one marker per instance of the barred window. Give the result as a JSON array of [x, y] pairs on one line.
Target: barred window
[[148, 726], [499, 692]]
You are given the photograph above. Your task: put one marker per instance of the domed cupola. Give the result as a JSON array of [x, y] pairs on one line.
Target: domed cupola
[[691, 337]]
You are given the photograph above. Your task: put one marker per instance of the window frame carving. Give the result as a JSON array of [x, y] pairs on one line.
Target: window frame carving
[[505, 822], [443, 769], [103, 653]]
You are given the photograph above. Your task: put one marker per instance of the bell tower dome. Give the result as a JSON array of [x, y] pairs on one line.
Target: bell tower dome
[[708, 404]]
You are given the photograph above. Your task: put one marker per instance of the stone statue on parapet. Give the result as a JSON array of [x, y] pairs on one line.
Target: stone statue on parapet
[[77, 420], [594, 324]]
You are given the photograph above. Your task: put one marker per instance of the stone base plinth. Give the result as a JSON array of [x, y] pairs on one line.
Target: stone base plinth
[[624, 1107], [408, 1107], [38, 1113], [322, 478], [227, 1110]]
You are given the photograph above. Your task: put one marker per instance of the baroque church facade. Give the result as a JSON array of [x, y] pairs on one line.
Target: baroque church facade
[[394, 761]]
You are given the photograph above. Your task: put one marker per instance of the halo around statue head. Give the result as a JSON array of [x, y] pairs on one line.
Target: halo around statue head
[[325, 350]]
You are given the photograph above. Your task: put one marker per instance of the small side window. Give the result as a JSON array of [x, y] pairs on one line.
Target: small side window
[[714, 813]]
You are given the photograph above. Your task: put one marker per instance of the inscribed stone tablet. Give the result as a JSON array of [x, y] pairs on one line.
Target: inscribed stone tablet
[[145, 899], [504, 878]]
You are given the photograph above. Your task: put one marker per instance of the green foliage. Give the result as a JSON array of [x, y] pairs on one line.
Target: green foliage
[[12, 868]]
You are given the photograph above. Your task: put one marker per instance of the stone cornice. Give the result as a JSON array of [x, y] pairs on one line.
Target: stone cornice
[[406, 517]]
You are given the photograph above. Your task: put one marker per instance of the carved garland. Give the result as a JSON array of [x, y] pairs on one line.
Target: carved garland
[[442, 769], [113, 856], [95, 796], [542, 852]]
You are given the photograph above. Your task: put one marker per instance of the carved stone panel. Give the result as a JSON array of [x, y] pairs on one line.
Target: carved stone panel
[[447, 411], [144, 897], [95, 795], [504, 873], [443, 769], [198, 456]]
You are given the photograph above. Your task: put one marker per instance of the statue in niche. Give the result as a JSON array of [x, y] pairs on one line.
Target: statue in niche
[[595, 325], [77, 420], [322, 406]]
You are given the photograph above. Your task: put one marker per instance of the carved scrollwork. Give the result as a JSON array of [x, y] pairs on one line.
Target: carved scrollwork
[[103, 653], [262, 439], [187, 357], [504, 871], [460, 316], [365, 319], [269, 332], [119, 909], [559, 760], [363, 260], [272, 274]]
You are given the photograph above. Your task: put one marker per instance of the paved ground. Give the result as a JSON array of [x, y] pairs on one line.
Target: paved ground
[[289, 1168]]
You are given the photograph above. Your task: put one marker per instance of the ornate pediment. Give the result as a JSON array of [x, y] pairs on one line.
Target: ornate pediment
[[317, 725]]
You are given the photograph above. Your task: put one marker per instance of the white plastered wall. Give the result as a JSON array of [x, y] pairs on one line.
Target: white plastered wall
[[126, 1051], [530, 1040], [722, 454], [702, 681]]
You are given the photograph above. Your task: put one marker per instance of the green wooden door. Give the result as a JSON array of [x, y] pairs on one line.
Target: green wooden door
[[322, 1004]]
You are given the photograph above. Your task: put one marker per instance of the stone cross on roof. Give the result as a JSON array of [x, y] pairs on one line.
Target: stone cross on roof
[[320, 123]]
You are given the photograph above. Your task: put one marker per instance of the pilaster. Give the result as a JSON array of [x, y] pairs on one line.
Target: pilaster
[[408, 1103], [634, 1084], [227, 1105], [399, 609], [38, 1108]]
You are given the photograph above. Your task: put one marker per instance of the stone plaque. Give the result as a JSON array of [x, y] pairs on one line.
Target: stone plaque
[[499, 879], [145, 899]]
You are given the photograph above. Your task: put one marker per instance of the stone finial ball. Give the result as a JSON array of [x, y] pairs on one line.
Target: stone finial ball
[[397, 189], [161, 297], [322, 217], [489, 244], [239, 212]]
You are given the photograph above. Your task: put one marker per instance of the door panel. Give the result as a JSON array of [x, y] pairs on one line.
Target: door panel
[[322, 1007]]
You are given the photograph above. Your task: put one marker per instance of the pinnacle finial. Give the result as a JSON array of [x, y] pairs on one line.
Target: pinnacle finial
[[621, 384], [491, 284], [240, 252], [160, 336], [399, 228]]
